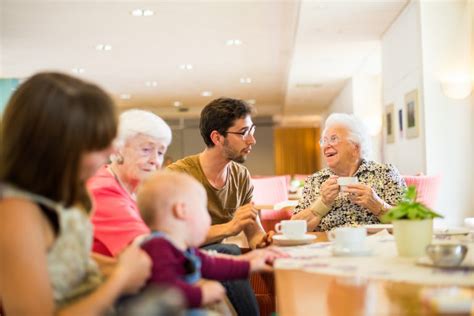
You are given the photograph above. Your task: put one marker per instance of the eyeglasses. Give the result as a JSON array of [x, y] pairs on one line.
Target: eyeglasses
[[332, 141], [246, 133]]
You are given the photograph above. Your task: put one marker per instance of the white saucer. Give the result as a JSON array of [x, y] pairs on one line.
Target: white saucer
[[345, 252], [282, 240], [375, 228], [450, 231]]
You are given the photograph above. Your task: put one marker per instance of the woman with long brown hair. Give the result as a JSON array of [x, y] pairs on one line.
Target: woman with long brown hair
[[56, 132]]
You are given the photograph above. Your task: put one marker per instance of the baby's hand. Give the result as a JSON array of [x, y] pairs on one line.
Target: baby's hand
[[212, 291], [262, 259]]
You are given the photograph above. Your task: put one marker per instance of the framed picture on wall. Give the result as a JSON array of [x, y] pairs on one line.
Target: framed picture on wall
[[389, 123], [412, 110], [400, 122]]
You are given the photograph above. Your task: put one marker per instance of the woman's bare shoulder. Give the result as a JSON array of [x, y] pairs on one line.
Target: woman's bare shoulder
[[20, 217], [16, 208]]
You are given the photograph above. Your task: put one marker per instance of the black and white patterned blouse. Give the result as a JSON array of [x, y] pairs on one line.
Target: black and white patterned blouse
[[383, 178]]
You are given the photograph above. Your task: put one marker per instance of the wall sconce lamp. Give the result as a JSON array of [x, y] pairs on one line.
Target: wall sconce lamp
[[458, 87]]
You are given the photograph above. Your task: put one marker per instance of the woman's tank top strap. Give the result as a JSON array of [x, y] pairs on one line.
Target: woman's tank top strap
[[7, 190]]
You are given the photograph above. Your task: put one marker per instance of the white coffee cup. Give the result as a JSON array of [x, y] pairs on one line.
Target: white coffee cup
[[294, 229], [344, 181], [349, 238]]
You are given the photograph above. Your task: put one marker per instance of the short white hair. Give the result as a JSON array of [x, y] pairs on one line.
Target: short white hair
[[134, 122], [358, 133]]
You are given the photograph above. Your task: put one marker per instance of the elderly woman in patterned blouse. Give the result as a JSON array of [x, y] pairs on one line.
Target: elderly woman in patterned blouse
[[346, 145]]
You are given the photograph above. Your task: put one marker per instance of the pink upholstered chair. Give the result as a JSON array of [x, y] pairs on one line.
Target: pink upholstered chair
[[270, 191], [300, 177], [426, 188]]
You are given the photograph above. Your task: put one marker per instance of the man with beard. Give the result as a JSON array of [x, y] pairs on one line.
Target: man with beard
[[228, 131]]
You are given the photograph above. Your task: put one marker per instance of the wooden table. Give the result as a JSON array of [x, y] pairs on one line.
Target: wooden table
[[305, 293]]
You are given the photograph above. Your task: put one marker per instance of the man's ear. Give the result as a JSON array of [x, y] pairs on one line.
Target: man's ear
[[180, 210], [216, 137]]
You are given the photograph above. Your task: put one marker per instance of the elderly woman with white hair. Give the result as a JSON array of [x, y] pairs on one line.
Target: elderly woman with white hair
[[346, 146], [141, 144]]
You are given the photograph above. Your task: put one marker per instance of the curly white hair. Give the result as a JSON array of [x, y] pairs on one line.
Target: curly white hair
[[135, 121], [358, 133]]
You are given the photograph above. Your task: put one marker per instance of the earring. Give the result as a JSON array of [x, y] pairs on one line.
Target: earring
[[119, 159]]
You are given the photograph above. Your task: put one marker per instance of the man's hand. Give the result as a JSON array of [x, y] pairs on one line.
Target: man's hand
[[212, 291], [363, 195], [329, 190], [266, 240], [243, 216]]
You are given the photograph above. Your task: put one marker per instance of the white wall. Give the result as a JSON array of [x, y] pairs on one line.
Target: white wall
[[344, 102], [401, 73], [446, 49], [361, 96], [431, 40], [367, 89], [471, 4]]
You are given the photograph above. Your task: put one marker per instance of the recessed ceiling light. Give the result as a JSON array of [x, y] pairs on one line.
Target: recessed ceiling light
[[142, 12], [151, 83], [125, 96], [233, 42], [186, 66], [206, 93], [78, 70], [103, 47], [177, 103], [251, 101], [137, 12], [148, 12], [245, 80]]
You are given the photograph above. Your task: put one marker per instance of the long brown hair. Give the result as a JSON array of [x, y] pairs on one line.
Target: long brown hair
[[48, 124]]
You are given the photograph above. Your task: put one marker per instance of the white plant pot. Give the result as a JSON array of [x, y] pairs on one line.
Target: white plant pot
[[412, 236]]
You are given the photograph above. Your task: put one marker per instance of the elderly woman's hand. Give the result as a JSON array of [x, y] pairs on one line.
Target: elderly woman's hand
[[329, 190], [363, 195]]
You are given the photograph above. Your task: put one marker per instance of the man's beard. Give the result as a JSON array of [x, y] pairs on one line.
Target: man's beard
[[232, 155]]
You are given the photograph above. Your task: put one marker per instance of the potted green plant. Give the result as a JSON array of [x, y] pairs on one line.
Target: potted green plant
[[412, 224]]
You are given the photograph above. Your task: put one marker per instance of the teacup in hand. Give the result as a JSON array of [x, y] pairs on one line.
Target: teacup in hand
[[292, 229], [345, 181], [348, 238]]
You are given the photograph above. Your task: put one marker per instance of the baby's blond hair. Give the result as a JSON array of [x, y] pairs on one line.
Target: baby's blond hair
[[159, 192]]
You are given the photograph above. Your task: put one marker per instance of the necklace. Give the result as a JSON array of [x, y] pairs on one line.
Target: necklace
[[121, 184]]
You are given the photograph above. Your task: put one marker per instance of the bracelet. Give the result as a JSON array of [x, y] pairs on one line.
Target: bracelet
[[319, 209]]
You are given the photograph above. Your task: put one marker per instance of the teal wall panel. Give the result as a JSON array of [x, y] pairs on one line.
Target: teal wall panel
[[7, 87]]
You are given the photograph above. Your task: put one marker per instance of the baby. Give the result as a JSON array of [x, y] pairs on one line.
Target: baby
[[174, 206]]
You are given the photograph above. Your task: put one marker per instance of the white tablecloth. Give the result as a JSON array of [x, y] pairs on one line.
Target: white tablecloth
[[382, 263]]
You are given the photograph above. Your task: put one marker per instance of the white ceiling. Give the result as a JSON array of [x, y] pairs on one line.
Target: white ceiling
[[298, 53]]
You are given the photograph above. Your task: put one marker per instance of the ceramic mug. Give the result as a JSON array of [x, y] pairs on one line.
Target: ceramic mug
[[348, 238], [292, 229], [345, 181]]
